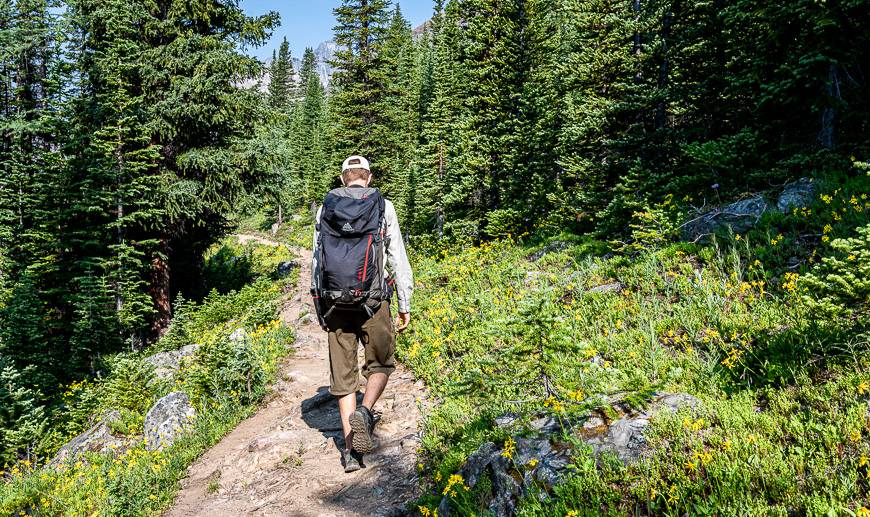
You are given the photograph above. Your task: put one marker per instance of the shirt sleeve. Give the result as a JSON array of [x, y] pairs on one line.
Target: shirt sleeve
[[397, 259], [314, 249]]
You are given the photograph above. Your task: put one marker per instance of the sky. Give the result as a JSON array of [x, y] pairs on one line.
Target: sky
[[307, 23]]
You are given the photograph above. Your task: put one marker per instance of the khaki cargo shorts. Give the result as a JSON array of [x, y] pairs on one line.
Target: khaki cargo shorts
[[377, 335]]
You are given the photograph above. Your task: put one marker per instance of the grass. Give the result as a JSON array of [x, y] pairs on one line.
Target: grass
[[225, 381], [784, 426]]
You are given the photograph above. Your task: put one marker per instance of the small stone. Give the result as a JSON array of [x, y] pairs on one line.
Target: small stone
[[166, 364], [546, 425], [553, 247], [287, 267], [611, 287], [506, 420]]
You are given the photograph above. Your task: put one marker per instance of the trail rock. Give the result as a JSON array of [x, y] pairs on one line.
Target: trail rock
[[167, 419], [739, 216], [624, 436], [98, 438], [167, 363], [796, 195]]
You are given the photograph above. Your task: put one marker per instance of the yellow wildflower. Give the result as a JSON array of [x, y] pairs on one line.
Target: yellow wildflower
[[510, 447], [863, 388]]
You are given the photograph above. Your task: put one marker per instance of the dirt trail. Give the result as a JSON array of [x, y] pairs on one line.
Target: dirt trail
[[285, 460]]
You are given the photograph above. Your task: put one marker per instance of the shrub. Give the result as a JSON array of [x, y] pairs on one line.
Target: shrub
[[839, 286]]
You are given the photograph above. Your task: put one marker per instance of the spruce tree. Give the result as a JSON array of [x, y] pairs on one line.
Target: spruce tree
[[359, 82], [281, 83]]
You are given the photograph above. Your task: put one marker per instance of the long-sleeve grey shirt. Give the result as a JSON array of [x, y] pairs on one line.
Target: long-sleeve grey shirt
[[395, 258]]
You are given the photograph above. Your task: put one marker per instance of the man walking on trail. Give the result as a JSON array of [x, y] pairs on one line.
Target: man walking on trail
[[356, 238]]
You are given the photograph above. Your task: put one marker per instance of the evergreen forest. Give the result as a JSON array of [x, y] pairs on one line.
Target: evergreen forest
[[535, 151]]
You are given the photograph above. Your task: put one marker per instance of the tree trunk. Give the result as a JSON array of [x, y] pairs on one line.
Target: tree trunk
[[829, 113], [160, 289]]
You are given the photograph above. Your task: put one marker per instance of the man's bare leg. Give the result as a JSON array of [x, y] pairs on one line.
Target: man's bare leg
[[374, 389], [346, 406]]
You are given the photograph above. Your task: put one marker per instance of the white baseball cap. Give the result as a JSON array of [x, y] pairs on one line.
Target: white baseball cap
[[355, 162]]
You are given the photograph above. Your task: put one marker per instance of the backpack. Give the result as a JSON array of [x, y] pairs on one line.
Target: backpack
[[349, 273]]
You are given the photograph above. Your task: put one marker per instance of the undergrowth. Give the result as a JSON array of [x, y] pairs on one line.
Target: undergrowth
[[224, 379], [767, 329]]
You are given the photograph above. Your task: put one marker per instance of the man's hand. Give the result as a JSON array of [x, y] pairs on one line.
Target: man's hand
[[402, 321]]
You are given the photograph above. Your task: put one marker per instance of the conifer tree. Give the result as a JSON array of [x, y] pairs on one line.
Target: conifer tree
[[438, 141], [358, 82], [309, 129], [399, 108], [281, 83]]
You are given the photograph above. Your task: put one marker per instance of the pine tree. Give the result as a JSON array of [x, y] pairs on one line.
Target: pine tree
[[281, 83], [309, 128], [399, 108], [358, 82], [438, 141], [488, 175]]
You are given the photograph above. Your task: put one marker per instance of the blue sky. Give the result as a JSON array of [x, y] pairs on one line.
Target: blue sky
[[306, 23]]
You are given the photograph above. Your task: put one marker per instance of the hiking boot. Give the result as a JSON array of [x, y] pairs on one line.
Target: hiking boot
[[352, 460], [361, 422]]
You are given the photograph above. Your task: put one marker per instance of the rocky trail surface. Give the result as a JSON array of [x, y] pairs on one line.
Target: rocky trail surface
[[285, 460]]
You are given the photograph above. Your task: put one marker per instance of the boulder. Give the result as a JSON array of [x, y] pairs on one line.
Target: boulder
[[238, 335], [624, 436], [286, 267], [167, 363], [796, 195], [98, 438], [739, 217], [167, 419]]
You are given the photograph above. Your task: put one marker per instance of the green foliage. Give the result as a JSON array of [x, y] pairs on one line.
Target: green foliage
[[502, 330], [22, 417], [281, 84], [839, 286], [226, 379]]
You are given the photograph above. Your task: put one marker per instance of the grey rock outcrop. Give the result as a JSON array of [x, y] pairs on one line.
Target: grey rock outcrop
[[624, 436], [739, 217], [238, 335], [796, 195], [542, 459], [98, 438], [166, 364], [488, 460], [167, 419]]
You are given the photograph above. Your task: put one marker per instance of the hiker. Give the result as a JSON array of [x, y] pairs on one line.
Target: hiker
[[356, 237]]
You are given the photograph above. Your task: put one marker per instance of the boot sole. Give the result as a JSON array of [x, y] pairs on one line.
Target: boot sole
[[362, 440]]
